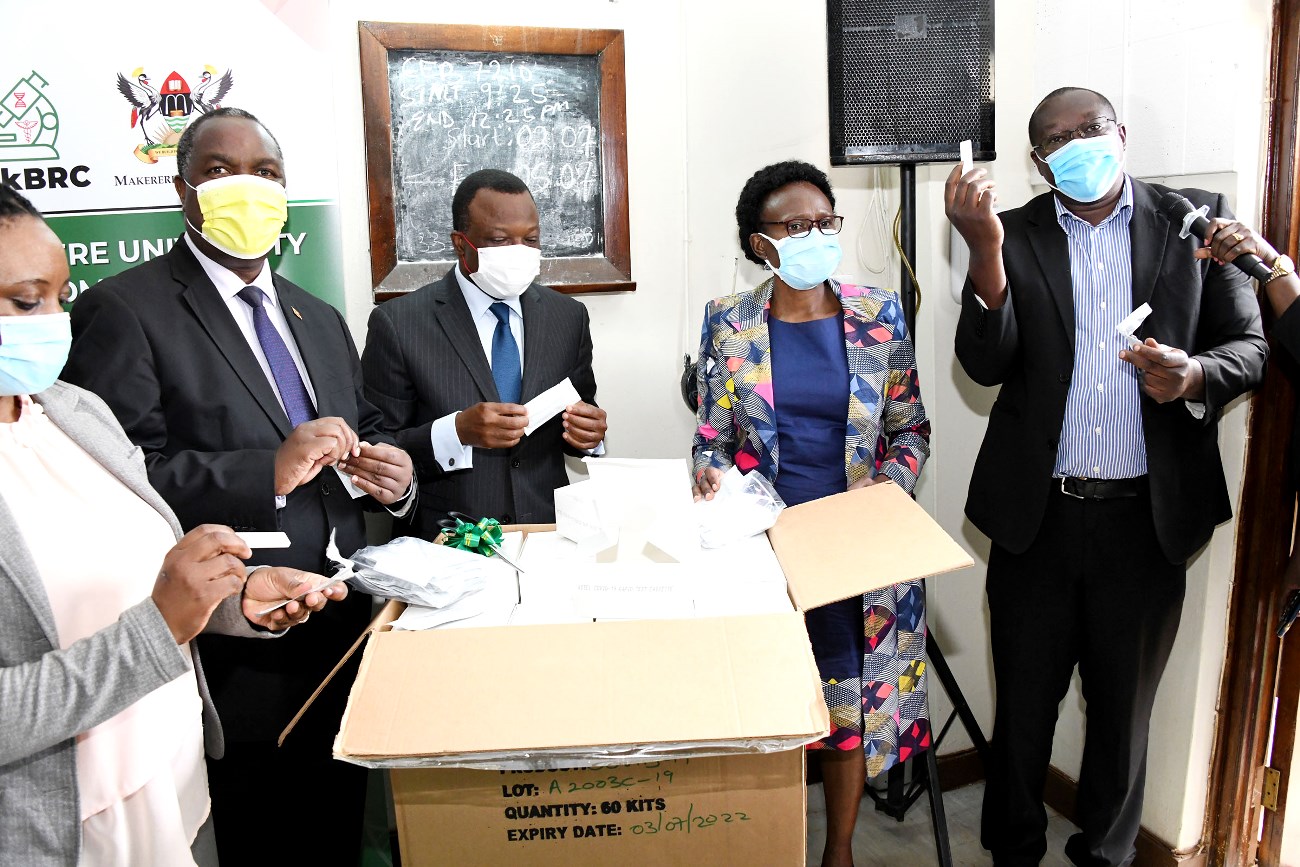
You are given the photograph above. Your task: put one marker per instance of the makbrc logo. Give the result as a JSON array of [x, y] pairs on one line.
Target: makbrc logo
[[29, 124], [162, 112]]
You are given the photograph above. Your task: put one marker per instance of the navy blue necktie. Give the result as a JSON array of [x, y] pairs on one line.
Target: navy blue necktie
[[297, 403], [505, 356]]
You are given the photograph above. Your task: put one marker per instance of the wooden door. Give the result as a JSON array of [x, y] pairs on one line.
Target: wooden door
[[1258, 675]]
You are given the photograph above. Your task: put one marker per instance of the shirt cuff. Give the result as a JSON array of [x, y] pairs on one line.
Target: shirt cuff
[[598, 451], [1196, 408], [280, 501], [980, 301], [402, 507], [450, 453]]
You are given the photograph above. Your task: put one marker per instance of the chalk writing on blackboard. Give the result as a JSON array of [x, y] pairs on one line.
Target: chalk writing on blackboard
[[440, 101], [534, 115]]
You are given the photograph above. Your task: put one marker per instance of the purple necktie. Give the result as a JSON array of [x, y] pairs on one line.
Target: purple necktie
[[297, 403]]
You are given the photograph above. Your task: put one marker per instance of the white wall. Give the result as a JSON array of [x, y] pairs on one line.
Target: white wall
[[718, 90]]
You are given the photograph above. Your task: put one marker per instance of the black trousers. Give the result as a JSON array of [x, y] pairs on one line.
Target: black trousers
[[292, 805], [1094, 590]]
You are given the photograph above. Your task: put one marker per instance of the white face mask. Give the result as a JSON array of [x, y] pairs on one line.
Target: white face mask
[[505, 272]]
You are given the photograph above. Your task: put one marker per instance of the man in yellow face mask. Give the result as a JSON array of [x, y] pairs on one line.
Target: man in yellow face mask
[[244, 393]]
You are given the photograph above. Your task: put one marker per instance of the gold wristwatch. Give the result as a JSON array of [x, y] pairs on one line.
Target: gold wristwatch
[[1282, 266]]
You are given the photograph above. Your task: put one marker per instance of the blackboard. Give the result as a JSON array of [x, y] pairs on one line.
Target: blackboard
[[536, 116], [544, 104]]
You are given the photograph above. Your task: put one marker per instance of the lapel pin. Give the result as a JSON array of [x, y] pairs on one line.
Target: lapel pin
[[295, 312]]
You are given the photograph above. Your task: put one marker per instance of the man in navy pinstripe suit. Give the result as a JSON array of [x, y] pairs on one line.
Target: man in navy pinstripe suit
[[451, 364], [1100, 475]]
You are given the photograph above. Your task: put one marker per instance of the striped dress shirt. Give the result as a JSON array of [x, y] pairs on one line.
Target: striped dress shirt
[[1101, 437]]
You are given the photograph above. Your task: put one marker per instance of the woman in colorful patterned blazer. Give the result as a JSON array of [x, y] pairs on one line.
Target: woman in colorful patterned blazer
[[813, 383]]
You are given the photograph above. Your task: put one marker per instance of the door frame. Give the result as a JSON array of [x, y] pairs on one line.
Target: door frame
[[1266, 519]]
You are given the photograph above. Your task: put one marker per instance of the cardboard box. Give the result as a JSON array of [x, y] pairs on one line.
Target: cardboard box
[[459, 712], [741, 809]]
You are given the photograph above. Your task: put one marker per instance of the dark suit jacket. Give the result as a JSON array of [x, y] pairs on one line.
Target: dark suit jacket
[[159, 345], [1027, 347], [423, 360]]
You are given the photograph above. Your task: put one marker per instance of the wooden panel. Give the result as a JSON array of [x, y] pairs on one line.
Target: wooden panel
[[959, 769]]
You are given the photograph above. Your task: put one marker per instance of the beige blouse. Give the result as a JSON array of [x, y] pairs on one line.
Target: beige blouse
[[98, 547]]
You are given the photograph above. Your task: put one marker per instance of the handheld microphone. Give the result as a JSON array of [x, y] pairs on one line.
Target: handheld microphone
[[1194, 222]]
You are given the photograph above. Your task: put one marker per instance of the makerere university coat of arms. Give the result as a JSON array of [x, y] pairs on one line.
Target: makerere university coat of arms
[[163, 112]]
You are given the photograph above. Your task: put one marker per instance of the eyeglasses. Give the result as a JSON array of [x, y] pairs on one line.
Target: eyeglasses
[[798, 228], [1093, 128]]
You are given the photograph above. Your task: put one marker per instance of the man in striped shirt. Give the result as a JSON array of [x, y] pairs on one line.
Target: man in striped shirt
[[1099, 475]]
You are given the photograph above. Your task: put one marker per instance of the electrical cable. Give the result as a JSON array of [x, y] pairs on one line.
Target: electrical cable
[[876, 225], [898, 245]]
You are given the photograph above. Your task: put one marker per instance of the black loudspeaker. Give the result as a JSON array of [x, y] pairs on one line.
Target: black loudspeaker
[[909, 79]]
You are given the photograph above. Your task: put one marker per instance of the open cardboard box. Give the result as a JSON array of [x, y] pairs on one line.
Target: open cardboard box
[[514, 741]]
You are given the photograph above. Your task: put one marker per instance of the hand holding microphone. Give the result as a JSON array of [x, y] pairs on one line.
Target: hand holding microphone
[[1232, 242], [1226, 241]]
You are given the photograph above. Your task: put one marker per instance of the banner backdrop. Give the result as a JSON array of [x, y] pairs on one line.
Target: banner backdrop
[[89, 122]]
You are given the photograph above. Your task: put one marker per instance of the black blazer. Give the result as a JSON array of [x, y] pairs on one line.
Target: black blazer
[[159, 345], [423, 360], [1027, 347]]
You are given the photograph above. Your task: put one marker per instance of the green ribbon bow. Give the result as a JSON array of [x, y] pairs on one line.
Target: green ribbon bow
[[481, 538]]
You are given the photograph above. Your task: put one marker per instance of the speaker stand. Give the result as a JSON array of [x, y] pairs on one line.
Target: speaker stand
[[901, 795]]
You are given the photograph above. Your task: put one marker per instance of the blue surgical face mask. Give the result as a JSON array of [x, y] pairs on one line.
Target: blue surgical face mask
[[806, 262], [33, 350], [1086, 168]]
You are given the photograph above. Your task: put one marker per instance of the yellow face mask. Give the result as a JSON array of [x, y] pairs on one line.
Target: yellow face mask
[[242, 214]]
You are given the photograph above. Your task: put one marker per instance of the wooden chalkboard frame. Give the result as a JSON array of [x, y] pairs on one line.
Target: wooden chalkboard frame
[[572, 275]]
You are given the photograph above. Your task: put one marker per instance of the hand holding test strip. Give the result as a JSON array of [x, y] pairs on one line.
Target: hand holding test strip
[[967, 153], [550, 403], [345, 568], [353, 491], [1132, 323]]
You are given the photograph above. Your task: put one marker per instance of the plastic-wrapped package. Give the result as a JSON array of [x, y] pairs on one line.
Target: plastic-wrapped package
[[744, 505], [417, 571]]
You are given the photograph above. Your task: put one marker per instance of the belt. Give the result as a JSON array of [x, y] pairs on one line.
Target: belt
[[1102, 489]]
